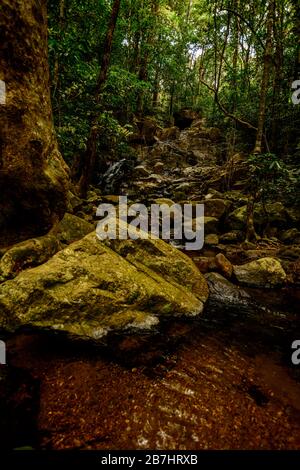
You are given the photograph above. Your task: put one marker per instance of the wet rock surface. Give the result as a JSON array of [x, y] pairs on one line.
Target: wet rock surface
[[264, 272], [91, 288]]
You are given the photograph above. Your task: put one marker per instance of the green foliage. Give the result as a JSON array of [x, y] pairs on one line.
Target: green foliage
[[271, 176], [113, 136], [163, 53]]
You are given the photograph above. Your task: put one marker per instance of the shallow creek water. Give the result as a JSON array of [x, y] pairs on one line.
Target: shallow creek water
[[221, 381]]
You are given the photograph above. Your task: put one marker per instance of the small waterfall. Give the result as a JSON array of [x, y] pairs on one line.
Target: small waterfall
[[117, 173]]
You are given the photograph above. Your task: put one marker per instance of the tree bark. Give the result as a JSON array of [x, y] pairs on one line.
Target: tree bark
[[91, 151], [297, 32], [265, 81], [33, 175]]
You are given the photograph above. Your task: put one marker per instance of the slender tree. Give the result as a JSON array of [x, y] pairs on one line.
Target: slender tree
[[91, 150], [267, 63]]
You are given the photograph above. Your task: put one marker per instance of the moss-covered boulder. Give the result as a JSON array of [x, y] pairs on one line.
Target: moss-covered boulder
[[92, 287], [264, 272]]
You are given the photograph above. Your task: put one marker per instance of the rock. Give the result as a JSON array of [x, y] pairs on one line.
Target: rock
[[170, 133], [237, 197], [248, 246], [205, 264], [184, 118], [145, 131], [290, 253], [155, 178], [29, 253], [211, 239], [36, 251], [215, 207], [291, 236], [257, 253], [93, 199], [92, 287], [224, 265], [166, 201], [211, 225], [158, 168], [110, 199], [198, 124], [74, 202], [141, 171], [264, 272], [276, 214], [235, 236], [294, 214], [183, 188], [223, 293], [295, 272], [71, 228], [213, 194]]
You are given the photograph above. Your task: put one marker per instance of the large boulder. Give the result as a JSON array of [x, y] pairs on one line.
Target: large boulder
[[93, 287], [264, 272]]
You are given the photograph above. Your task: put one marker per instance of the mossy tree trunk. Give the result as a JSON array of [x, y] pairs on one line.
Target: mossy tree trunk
[[33, 175]]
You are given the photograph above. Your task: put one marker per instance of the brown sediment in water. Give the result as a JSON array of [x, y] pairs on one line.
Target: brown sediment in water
[[209, 390]]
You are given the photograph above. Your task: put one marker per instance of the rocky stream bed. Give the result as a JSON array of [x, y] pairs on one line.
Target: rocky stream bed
[[136, 345]]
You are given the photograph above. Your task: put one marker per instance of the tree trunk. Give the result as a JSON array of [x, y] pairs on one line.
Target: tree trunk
[[155, 95], [33, 175], [297, 32], [236, 38], [91, 151], [264, 82], [277, 102], [146, 48]]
